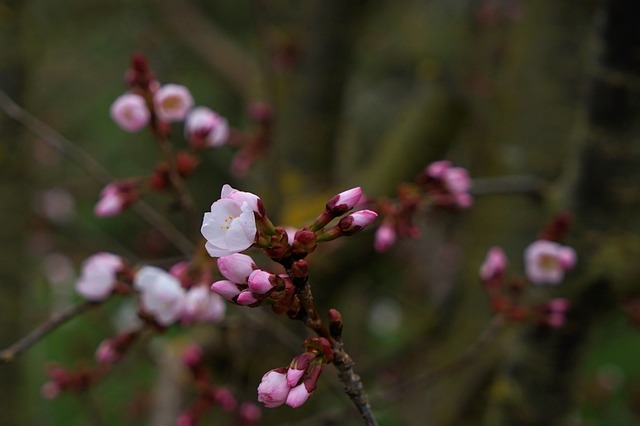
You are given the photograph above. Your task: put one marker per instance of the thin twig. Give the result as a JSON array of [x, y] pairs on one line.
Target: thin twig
[[57, 319], [92, 168]]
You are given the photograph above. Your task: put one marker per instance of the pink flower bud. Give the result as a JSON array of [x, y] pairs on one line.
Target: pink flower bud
[[205, 127], [344, 201], [236, 267], [494, 264], [225, 399], [273, 389], [192, 356], [50, 390], [436, 169], [260, 281], [249, 413], [99, 276], [298, 396], [172, 102], [456, 180], [246, 298], [385, 237], [115, 197], [356, 221], [226, 289], [107, 353], [130, 112]]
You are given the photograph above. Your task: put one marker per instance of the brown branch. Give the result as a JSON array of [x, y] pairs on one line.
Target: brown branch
[[57, 319], [92, 168], [343, 362]]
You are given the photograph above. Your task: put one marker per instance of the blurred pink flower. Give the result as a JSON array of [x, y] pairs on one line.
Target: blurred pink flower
[[202, 305], [546, 262], [172, 102], [205, 128], [130, 112], [162, 296], [99, 276], [494, 264]]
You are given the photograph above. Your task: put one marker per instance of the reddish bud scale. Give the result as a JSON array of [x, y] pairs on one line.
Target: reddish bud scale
[[304, 242], [300, 269], [558, 228], [335, 323], [186, 163]]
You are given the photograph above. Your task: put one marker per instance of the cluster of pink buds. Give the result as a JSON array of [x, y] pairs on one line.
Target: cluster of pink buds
[[208, 395], [440, 185], [62, 379], [294, 385], [116, 197], [545, 263]]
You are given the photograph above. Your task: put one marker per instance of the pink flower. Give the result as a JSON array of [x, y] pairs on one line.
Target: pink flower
[[162, 296], [556, 310], [249, 413], [273, 389], [456, 180], [260, 281], [172, 102], [202, 305], [99, 276], [107, 352], [130, 112], [230, 227], [226, 289], [546, 262], [205, 127], [115, 197], [385, 237], [236, 267], [437, 168], [298, 396], [494, 264]]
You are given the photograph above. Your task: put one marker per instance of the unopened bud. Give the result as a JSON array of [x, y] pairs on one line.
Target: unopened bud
[[299, 269], [335, 323]]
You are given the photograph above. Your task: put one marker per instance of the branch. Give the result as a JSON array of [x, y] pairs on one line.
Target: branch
[[57, 319], [92, 168]]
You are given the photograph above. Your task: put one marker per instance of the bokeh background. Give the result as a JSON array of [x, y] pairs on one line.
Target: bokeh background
[[539, 99]]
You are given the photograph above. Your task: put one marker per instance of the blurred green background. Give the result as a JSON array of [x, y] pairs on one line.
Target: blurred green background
[[537, 98]]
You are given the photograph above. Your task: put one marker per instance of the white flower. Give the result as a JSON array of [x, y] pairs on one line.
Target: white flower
[[230, 227], [161, 294], [202, 305], [172, 102], [98, 276]]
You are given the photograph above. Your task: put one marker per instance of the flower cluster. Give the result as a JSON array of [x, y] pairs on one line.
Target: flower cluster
[[294, 385], [440, 185], [546, 262]]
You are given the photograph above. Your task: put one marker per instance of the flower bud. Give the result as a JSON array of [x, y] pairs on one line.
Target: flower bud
[[226, 289], [246, 298], [344, 201], [236, 267], [260, 281], [205, 128], [304, 242], [385, 237], [357, 221], [273, 389]]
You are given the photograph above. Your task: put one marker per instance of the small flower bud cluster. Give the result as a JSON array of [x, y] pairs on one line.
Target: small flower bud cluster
[[546, 262], [439, 185], [112, 349], [294, 385], [209, 395], [62, 380], [99, 276], [148, 104]]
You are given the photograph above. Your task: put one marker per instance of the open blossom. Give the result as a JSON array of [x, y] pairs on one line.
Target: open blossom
[[230, 226], [205, 127], [172, 102], [202, 305], [130, 112], [98, 277], [546, 262], [162, 296]]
